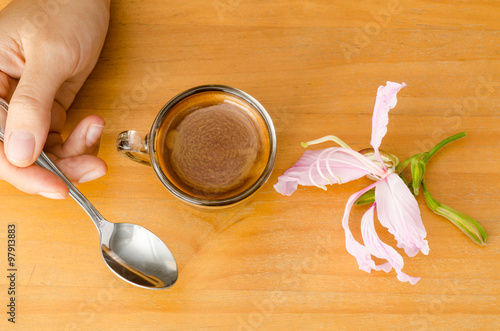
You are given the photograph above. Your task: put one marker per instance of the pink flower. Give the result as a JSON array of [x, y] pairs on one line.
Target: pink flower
[[397, 209]]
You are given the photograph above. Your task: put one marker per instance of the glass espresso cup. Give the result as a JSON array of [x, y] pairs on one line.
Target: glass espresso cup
[[212, 146]]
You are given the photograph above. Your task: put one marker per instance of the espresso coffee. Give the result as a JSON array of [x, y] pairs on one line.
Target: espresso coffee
[[213, 145]]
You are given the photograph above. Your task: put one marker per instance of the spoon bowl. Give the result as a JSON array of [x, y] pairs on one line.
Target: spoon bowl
[[137, 255], [132, 252]]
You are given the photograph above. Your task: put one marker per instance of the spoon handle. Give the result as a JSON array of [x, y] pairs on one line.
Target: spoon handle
[[44, 162]]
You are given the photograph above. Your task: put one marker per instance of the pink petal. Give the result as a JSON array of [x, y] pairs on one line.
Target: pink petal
[[360, 252], [381, 250], [386, 100], [322, 167], [398, 211]]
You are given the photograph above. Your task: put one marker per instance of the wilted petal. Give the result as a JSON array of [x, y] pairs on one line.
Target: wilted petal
[[299, 174], [286, 185], [381, 250], [322, 167], [386, 100], [398, 211], [360, 252]]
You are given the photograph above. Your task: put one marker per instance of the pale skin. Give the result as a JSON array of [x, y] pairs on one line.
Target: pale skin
[[47, 50]]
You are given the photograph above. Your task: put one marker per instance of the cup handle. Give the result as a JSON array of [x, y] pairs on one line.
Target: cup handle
[[133, 146]]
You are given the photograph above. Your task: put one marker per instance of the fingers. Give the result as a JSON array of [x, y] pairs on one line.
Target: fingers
[[29, 115], [36, 180], [85, 139], [76, 156], [73, 157], [33, 179], [82, 168]]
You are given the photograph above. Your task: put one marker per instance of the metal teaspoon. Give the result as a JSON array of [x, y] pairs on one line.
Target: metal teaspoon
[[132, 252]]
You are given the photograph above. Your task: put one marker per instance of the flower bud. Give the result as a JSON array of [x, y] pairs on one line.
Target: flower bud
[[417, 174], [466, 224], [366, 198]]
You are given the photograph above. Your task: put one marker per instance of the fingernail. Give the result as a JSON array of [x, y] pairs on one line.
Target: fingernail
[[93, 134], [51, 195], [94, 174], [21, 146]]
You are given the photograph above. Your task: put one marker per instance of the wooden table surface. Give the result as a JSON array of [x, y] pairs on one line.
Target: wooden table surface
[[278, 263]]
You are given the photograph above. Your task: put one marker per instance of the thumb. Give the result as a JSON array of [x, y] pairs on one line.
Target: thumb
[[29, 116]]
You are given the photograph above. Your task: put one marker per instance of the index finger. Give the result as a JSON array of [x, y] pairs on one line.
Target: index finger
[[29, 115]]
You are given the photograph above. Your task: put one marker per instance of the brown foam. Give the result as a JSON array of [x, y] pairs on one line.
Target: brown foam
[[214, 145]]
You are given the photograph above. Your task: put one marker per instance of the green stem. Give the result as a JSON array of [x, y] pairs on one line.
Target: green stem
[[441, 144], [426, 156]]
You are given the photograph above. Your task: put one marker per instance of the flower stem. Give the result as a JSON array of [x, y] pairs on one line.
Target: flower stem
[[441, 144], [426, 156]]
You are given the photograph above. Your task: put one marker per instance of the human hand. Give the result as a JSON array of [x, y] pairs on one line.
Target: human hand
[[43, 64]]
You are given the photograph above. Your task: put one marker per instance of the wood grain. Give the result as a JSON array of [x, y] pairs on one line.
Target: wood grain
[[279, 263]]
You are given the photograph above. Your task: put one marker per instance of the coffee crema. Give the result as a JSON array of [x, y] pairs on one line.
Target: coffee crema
[[213, 145]]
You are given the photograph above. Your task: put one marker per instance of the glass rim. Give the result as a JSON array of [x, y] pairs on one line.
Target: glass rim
[[208, 202]]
